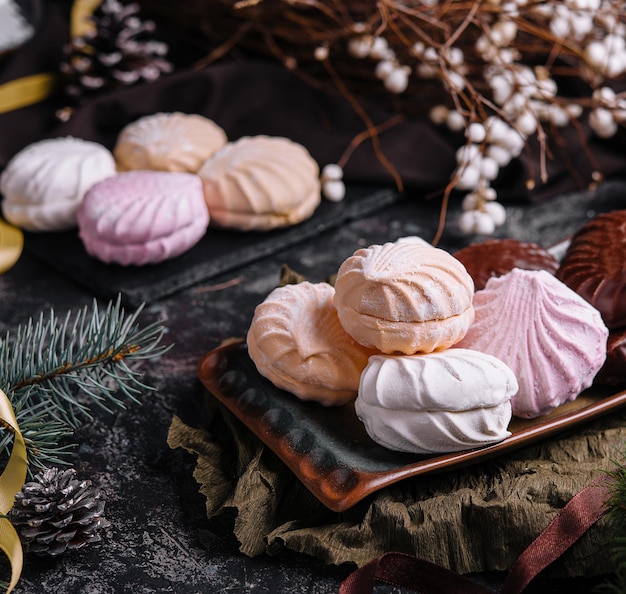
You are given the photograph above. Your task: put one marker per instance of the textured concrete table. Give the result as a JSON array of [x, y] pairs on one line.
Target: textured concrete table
[[160, 539]]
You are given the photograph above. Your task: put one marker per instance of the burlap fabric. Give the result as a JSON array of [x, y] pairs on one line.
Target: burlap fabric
[[472, 520]]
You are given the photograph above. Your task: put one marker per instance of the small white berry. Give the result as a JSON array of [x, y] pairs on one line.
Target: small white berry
[[383, 69], [455, 56], [430, 54], [614, 43], [501, 89], [438, 114], [489, 193], [497, 37], [507, 30], [470, 201], [574, 110], [467, 222], [397, 81], [359, 47], [497, 130], [483, 46], [332, 171], [379, 48], [526, 80], [559, 116], [455, 121], [546, 9], [497, 212], [418, 48], [426, 70], [456, 80], [334, 190], [541, 109], [507, 55], [560, 27], [474, 221], [321, 52], [526, 123], [513, 142], [596, 54], [604, 95], [509, 7], [484, 223], [469, 177], [499, 154], [515, 104], [616, 64], [489, 169], [468, 154], [546, 88], [602, 122], [582, 24], [476, 132], [413, 239]]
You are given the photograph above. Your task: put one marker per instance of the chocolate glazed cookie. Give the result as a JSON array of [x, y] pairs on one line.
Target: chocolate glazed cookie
[[495, 257], [595, 266], [613, 371]]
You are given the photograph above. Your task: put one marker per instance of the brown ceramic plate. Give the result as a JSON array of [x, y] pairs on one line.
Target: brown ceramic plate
[[328, 448]]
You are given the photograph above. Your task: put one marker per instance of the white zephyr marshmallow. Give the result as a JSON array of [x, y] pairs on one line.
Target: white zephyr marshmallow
[[437, 402], [44, 184]]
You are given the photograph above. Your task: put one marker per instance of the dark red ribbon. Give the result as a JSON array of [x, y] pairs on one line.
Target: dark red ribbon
[[407, 571]]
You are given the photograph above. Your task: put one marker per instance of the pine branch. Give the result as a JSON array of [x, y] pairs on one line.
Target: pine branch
[[41, 433], [54, 371], [617, 516]]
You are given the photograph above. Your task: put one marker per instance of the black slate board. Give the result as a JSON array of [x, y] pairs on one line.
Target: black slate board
[[219, 251]]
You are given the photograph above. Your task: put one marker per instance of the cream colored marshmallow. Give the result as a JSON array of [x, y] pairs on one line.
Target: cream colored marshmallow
[[260, 183], [168, 142], [404, 298], [296, 341]]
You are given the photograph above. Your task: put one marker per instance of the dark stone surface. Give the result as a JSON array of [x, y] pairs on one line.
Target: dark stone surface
[[219, 251], [160, 539]]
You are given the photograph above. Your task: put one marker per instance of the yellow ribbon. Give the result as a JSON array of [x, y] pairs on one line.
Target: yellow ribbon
[[32, 89], [81, 22], [11, 481], [11, 244], [27, 90]]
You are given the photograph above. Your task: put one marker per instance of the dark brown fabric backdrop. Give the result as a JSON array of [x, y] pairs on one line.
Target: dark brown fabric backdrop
[[259, 97]]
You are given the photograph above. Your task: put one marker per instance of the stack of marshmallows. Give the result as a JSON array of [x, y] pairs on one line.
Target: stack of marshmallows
[[434, 366], [152, 198]]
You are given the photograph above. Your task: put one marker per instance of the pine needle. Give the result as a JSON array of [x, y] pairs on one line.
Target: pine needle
[[616, 506], [54, 371]]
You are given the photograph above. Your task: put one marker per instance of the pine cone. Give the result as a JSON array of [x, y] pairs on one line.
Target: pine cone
[[120, 52], [56, 512]]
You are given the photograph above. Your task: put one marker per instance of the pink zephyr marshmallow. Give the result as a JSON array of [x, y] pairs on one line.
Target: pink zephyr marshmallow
[[143, 217], [552, 339]]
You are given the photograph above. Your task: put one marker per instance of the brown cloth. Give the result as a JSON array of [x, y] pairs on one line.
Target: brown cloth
[[472, 520], [248, 97]]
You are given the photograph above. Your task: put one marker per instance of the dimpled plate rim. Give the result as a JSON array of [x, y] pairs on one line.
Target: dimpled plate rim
[[328, 448]]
